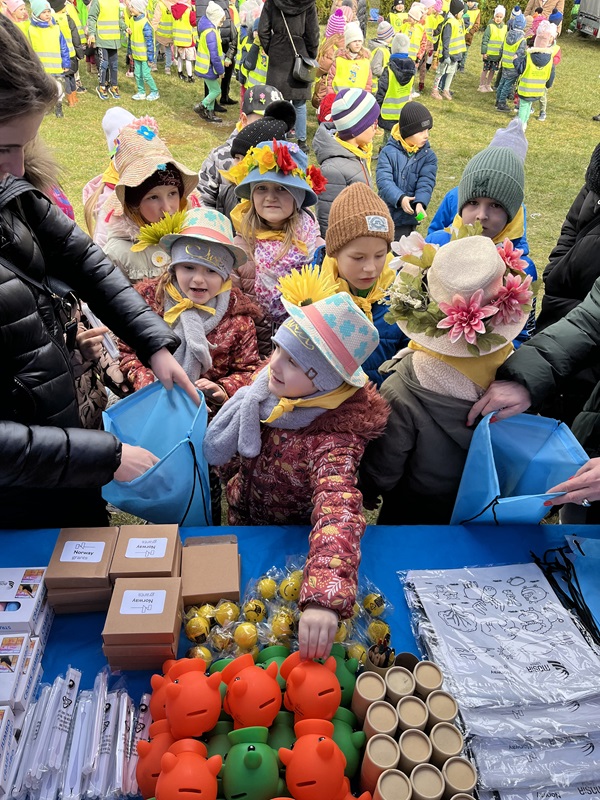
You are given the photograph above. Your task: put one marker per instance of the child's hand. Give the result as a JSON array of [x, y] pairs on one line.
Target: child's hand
[[420, 210], [227, 62], [316, 631], [128, 31], [406, 205], [90, 343], [212, 390]]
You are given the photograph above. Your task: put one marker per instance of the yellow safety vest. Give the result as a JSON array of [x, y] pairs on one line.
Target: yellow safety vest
[[139, 51], [386, 57], [397, 20], [415, 35], [395, 97], [532, 82], [472, 19], [202, 67], [497, 36], [431, 23], [74, 14], [164, 31], [235, 17], [351, 73], [259, 73], [62, 18], [183, 34], [509, 51], [24, 26], [107, 25], [46, 44], [457, 37]]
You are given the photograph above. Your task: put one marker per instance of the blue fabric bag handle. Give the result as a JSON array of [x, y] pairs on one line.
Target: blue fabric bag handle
[[168, 424], [510, 466]]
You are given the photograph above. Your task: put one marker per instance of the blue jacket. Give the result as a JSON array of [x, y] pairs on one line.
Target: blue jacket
[[148, 40], [216, 62], [400, 174], [65, 58], [391, 339]]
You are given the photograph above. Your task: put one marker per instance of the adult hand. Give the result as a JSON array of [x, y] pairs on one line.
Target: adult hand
[[134, 462], [89, 343], [406, 205], [168, 372], [584, 485], [212, 390], [316, 631], [507, 398]]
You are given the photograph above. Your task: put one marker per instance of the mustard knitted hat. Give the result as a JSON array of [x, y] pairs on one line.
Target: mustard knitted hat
[[356, 212]]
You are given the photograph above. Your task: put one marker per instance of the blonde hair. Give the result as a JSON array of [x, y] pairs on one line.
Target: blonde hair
[[89, 209], [252, 224]]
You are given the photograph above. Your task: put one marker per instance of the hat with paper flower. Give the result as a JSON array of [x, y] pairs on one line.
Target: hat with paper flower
[[475, 293], [140, 153]]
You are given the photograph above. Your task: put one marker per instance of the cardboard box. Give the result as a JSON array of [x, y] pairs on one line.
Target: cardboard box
[[144, 610], [80, 601], [13, 652], [22, 593], [26, 682], [152, 551], [153, 663], [210, 569], [8, 747], [81, 558], [125, 651]]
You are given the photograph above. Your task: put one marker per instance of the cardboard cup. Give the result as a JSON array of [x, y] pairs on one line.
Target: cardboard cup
[[392, 785], [412, 713], [427, 783], [399, 682], [428, 678], [415, 749], [446, 742], [460, 777], [381, 717], [406, 660], [381, 753], [442, 707], [462, 796], [369, 688]]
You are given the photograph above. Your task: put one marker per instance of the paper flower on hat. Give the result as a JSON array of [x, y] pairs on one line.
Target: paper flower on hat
[[316, 180], [465, 317], [511, 256], [512, 297], [306, 286], [152, 234]]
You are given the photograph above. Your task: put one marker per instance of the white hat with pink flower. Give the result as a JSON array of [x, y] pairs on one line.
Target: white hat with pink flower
[[465, 299]]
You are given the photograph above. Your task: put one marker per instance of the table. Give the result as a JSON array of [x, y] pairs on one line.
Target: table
[[76, 639]]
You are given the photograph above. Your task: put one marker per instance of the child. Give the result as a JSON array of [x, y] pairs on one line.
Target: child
[[538, 17], [273, 224], [50, 45], [69, 30], [395, 85], [162, 22], [351, 67], [398, 15], [344, 154], [358, 241], [218, 349], [289, 446], [184, 25], [414, 28], [452, 46], [209, 60], [491, 47], [105, 25], [472, 292], [380, 52], [407, 168], [556, 59], [255, 64], [333, 41], [16, 11], [471, 29], [513, 48], [536, 69], [150, 183], [142, 50]]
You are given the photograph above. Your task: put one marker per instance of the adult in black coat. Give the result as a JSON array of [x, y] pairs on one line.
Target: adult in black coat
[[303, 24], [51, 470]]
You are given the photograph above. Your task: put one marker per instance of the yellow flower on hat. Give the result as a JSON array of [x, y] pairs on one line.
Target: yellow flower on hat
[[265, 158], [237, 172], [152, 234], [306, 286]]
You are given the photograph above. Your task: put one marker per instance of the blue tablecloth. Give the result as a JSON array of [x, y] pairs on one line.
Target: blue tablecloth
[[76, 639]]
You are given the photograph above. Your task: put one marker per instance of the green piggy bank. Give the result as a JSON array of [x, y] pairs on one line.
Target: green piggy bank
[[251, 769]]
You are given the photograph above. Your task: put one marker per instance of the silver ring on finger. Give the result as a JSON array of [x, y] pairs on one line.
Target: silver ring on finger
[[586, 503]]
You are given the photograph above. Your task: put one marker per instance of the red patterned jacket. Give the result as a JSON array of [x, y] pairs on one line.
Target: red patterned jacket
[[309, 476], [235, 348]]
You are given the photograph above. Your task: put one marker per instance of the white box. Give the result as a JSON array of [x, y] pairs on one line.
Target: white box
[[8, 746], [13, 652], [44, 622], [26, 682], [22, 593]]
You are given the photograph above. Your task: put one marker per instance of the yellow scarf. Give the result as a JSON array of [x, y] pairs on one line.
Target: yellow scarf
[[376, 292], [110, 174], [184, 303], [330, 400], [266, 235], [365, 152], [410, 148], [481, 370], [513, 229]]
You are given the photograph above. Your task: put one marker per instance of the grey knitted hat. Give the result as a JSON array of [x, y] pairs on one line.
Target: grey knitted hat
[[497, 173]]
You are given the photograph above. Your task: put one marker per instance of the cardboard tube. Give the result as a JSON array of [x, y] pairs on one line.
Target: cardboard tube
[[369, 688], [399, 682], [406, 660], [460, 777], [442, 707], [428, 678], [415, 749], [412, 713], [427, 783], [381, 753], [392, 785], [446, 742], [381, 717]]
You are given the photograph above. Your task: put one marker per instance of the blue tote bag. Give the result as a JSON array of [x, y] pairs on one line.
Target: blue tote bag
[[510, 466], [176, 489]]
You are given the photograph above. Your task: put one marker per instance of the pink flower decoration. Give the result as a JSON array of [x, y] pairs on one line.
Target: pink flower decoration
[[466, 318], [511, 255], [411, 245], [511, 297]]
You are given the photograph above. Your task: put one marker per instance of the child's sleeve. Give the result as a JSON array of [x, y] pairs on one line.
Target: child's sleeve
[[377, 63], [382, 86], [130, 365], [244, 356], [551, 78], [149, 41], [64, 53], [215, 59], [389, 191], [485, 40], [426, 179]]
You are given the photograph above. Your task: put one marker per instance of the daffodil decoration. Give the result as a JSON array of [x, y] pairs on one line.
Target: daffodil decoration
[[306, 286], [153, 233]]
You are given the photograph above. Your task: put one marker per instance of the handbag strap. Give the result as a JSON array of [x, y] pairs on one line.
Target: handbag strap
[[288, 33]]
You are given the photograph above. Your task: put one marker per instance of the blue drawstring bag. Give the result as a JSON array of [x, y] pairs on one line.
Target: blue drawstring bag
[[510, 466], [176, 489]]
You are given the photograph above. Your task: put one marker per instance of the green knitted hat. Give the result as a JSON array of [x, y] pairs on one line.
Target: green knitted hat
[[497, 173]]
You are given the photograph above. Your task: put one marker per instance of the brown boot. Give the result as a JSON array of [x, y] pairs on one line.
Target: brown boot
[[71, 99], [435, 93]]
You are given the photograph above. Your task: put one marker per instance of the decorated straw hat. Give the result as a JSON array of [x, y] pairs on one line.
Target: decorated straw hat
[[467, 298], [140, 153], [209, 227]]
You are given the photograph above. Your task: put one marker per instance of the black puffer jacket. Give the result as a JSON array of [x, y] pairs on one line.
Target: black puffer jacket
[[51, 471]]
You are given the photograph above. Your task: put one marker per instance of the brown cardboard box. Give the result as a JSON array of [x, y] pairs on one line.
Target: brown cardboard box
[[144, 610], [80, 601], [81, 558], [210, 569], [152, 551], [125, 652], [153, 663]]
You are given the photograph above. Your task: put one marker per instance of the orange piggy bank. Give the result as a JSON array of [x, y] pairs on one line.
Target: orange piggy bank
[[193, 701], [150, 754], [186, 773], [159, 684], [312, 689], [253, 696]]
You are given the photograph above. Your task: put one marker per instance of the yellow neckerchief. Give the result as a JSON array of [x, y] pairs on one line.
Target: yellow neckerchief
[[410, 148], [365, 152], [329, 400], [376, 292], [184, 303], [512, 230], [269, 236], [110, 174], [481, 370]]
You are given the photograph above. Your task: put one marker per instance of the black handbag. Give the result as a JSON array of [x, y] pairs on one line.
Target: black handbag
[[304, 66]]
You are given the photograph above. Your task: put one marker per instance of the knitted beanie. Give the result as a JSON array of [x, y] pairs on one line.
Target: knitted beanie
[[357, 211], [324, 111], [416, 11], [39, 6], [335, 24], [497, 173], [58, 5], [141, 6], [456, 6], [279, 120], [214, 13], [512, 136], [353, 111], [546, 34], [592, 176], [500, 10], [353, 33], [13, 5], [517, 23], [385, 32], [414, 118], [400, 44], [170, 176]]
